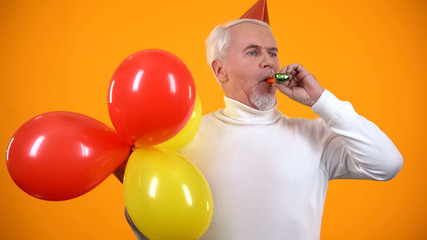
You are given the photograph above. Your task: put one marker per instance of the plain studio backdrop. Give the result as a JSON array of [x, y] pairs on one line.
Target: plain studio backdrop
[[60, 55]]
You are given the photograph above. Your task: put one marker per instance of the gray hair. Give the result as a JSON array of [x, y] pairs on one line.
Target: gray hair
[[218, 41]]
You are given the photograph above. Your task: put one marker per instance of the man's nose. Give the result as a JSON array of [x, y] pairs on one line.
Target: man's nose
[[267, 61]]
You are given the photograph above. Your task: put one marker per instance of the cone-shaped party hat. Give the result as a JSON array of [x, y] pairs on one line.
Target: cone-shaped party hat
[[258, 11]]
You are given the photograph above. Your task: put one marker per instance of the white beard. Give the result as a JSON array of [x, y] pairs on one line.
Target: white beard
[[262, 101]]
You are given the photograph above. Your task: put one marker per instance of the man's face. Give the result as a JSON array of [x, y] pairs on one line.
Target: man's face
[[251, 59]]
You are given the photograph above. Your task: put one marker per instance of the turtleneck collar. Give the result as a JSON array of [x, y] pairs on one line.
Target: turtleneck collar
[[238, 113]]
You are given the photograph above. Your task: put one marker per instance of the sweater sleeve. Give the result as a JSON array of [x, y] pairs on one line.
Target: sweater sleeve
[[354, 148]]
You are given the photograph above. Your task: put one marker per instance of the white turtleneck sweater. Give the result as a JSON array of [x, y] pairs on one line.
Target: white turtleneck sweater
[[269, 173]]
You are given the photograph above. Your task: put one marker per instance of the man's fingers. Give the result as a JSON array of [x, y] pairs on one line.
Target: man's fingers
[[284, 89], [288, 68], [301, 75], [284, 69], [296, 72], [293, 69], [292, 84]]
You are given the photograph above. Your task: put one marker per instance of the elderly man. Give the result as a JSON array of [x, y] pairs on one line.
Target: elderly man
[[269, 173]]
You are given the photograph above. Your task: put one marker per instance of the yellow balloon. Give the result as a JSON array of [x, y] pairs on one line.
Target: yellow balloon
[[166, 196], [188, 132]]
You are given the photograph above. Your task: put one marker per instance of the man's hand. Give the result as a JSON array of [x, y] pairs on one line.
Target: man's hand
[[302, 86]]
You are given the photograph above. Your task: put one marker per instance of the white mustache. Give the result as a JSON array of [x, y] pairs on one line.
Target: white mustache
[[266, 74]]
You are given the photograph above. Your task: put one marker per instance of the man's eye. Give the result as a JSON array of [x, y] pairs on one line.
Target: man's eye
[[252, 53], [273, 54]]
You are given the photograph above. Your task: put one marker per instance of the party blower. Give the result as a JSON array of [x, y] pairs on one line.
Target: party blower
[[279, 78]]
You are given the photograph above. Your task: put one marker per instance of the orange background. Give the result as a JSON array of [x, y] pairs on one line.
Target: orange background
[[60, 55]]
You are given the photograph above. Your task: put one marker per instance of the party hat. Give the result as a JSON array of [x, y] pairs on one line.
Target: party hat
[[258, 11]]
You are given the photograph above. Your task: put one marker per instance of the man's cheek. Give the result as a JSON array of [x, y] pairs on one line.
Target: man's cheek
[[277, 66]]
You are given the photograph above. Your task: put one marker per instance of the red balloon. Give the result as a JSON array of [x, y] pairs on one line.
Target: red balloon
[[62, 155], [151, 97]]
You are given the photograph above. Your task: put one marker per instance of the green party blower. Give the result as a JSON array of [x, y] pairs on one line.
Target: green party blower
[[279, 78]]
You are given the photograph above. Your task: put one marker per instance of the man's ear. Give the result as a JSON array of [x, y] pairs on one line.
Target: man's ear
[[220, 71]]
